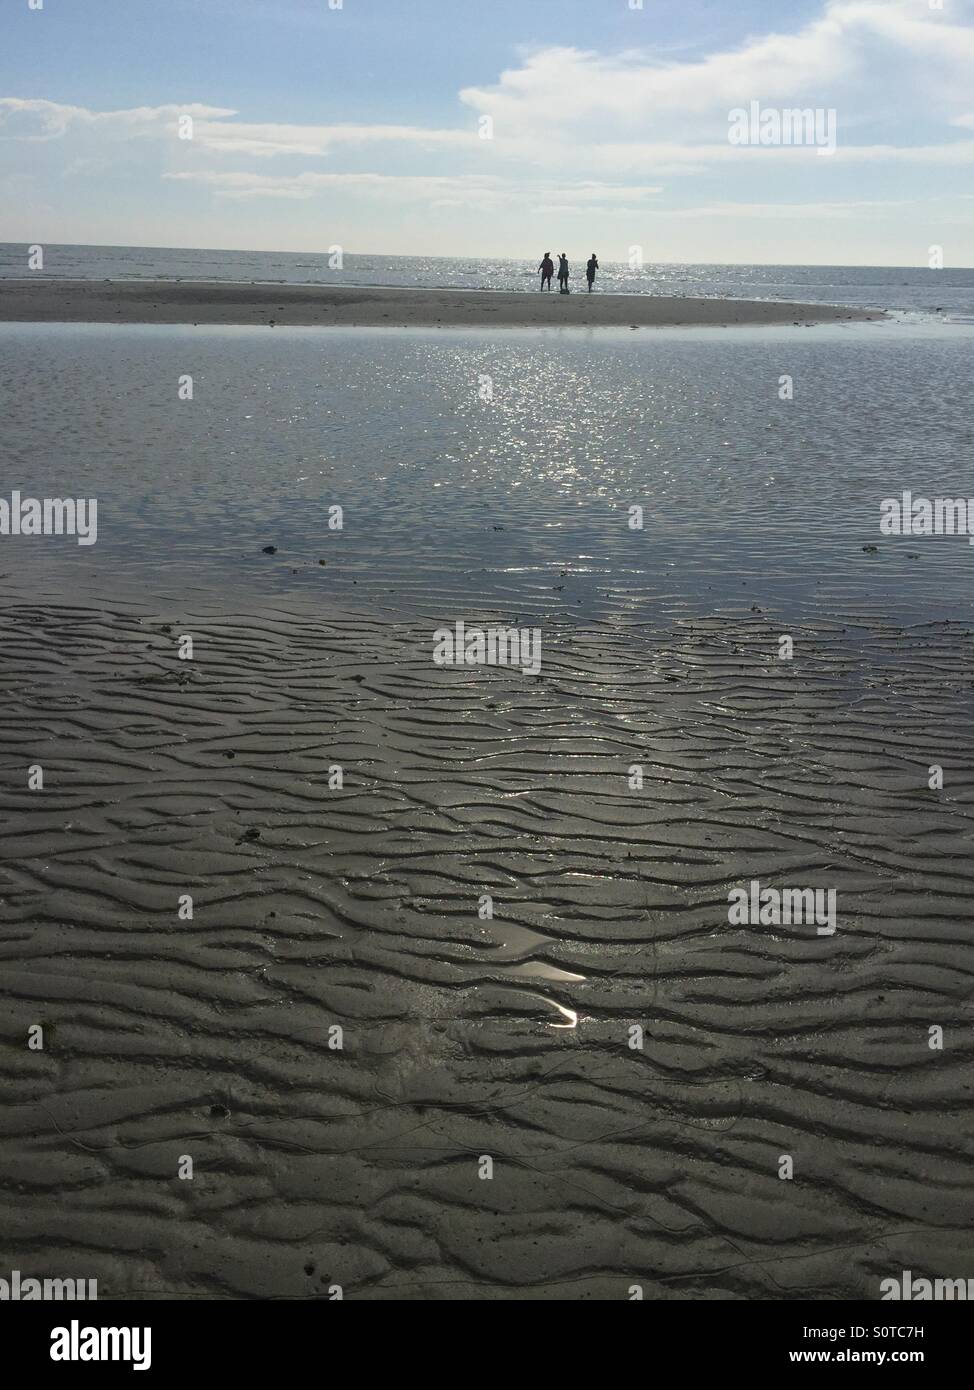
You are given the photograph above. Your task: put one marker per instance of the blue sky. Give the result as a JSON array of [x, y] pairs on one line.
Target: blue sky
[[609, 125]]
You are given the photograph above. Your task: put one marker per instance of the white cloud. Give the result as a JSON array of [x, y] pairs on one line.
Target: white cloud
[[855, 47], [307, 184], [38, 120], [613, 127], [464, 190], [785, 212], [655, 160], [264, 139]]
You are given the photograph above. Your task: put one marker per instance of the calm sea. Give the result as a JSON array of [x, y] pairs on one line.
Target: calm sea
[[518, 503], [905, 288]]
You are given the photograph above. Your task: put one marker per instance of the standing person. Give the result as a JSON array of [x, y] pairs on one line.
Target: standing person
[[563, 272], [590, 269], [547, 268]]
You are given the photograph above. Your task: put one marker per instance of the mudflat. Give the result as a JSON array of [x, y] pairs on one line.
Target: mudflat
[[163, 301]]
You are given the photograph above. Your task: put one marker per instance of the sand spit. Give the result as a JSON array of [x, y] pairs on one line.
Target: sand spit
[[85, 301], [315, 906]]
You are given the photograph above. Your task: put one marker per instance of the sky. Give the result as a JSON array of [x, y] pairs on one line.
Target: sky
[[483, 128]]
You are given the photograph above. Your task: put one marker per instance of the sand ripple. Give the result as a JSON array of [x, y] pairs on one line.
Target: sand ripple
[[358, 907]]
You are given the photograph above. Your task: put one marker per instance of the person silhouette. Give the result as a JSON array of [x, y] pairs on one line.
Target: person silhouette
[[563, 272], [547, 268], [590, 269]]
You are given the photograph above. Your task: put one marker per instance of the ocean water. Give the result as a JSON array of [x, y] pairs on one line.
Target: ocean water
[[520, 502], [907, 289]]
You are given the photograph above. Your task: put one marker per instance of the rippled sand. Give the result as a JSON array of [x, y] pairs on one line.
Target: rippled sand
[[317, 906], [358, 907]]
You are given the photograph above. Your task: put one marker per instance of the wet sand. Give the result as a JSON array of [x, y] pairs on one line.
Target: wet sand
[[84, 301], [318, 907], [357, 907]]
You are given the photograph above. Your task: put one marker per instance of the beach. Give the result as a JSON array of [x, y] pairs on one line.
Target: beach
[[338, 922], [486, 673], [316, 908], [165, 302]]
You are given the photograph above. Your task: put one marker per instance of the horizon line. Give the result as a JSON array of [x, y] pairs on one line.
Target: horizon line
[[415, 256]]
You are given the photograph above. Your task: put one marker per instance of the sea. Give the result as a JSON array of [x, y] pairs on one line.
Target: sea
[[499, 467], [906, 289]]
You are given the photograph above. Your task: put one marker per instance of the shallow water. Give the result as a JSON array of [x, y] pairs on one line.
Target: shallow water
[[520, 502]]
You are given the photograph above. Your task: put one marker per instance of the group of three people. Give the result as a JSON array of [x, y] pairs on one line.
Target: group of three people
[[547, 268]]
